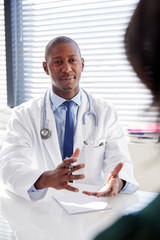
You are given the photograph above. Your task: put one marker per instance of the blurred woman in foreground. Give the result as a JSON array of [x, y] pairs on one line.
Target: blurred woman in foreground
[[142, 43]]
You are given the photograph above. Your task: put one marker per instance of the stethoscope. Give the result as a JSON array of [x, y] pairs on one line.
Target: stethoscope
[[46, 133]]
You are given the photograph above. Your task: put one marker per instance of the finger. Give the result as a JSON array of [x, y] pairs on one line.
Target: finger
[[68, 161], [73, 189], [77, 167], [114, 191], [97, 194], [68, 168], [76, 153], [74, 177], [90, 193], [117, 169], [115, 188], [72, 159], [106, 193]]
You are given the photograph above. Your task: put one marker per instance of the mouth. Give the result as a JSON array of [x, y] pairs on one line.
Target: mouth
[[67, 78]]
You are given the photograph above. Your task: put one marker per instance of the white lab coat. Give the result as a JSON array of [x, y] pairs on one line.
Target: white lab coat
[[25, 156]]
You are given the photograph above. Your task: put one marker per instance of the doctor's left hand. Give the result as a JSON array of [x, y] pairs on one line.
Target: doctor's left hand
[[59, 178], [113, 184]]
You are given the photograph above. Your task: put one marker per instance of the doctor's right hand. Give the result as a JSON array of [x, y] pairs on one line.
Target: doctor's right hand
[[59, 178]]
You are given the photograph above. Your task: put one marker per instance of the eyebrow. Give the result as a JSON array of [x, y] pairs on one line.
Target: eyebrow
[[62, 57]]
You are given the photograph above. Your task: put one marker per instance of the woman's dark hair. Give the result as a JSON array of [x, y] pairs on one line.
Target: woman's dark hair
[[142, 44]]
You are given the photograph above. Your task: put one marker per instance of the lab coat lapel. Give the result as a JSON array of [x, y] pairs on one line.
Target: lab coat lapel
[[52, 143], [79, 132]]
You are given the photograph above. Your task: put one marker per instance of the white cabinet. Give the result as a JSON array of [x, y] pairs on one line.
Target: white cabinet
[[146, 162]]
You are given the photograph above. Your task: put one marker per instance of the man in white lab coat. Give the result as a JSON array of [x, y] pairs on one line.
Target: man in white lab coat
[[29, 165]]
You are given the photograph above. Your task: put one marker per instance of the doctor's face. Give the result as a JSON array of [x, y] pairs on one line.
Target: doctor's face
[[64, 65]]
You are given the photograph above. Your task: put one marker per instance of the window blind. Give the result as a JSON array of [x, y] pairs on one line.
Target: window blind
[[4, 110], [98, 27], [3, 89]]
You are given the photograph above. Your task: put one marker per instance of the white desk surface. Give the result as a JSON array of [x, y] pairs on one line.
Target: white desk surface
[[45, 219]]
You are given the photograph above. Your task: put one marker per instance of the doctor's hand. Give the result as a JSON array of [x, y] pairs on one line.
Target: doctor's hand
[[113, 184], [59, 178]]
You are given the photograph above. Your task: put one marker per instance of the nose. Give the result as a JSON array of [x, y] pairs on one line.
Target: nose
[[66, 67]]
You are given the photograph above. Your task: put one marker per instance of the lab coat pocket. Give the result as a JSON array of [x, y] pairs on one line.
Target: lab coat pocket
[[92, 155]]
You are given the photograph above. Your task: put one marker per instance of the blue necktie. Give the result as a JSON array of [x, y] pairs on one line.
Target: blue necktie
[[69, 131]]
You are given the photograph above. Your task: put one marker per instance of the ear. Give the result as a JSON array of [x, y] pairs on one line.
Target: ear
[[45, 68], [82, 62]]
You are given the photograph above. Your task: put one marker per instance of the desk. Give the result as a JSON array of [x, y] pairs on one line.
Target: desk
[[45, 219]]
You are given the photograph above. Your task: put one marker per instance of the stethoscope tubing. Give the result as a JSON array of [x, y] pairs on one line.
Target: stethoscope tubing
[[89, 111], [44, 109]]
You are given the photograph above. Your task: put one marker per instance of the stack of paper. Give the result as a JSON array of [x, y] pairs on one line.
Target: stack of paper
[[144, 133], [75, 203]]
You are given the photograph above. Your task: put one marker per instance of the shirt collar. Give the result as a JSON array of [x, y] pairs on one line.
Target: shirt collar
[[56, 100]]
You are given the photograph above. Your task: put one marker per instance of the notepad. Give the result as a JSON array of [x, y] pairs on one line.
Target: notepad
[[74, 203]]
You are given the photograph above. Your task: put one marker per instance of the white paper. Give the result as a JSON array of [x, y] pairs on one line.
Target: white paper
[[75, 203]]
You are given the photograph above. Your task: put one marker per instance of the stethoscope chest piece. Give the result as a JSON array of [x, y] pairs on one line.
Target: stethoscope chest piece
[[45, 133]]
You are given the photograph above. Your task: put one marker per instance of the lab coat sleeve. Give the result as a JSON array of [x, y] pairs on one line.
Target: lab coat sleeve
[[15, 158], [116, 151]]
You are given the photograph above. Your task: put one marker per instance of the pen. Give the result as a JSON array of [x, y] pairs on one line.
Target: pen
[[70, 167]]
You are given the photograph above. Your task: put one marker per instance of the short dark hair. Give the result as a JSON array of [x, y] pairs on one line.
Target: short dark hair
[[58, 40]]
